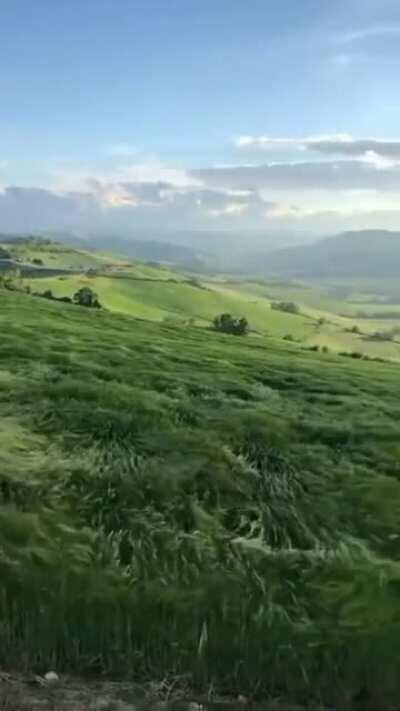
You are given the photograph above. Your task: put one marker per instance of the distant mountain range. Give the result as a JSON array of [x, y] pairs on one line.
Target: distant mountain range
[[151, 250], [362, 254], [367, 253], [373, 254]]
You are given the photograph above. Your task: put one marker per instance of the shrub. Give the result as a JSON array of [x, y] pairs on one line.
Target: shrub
[[86, 297], [287, 306], [196, 283], [4, 254], [352, 354], [225, 323], [383, 336]]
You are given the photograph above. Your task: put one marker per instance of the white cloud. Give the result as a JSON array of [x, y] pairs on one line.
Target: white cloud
[[335, 144], [155, 172], [296, 178], [285, 212], [307, 193], [380, 162], [150, 172], [127, 207], [231, 209], [269, 142]]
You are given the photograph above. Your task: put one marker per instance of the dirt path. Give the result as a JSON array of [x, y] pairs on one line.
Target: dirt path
[[21, 693]]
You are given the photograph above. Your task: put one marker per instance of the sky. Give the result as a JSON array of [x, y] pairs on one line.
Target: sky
[[269, 115]]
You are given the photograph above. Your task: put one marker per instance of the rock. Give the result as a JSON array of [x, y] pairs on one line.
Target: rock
[[193, 706], [51, 677]]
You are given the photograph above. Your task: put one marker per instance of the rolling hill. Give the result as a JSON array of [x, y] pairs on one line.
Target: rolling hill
[[28, 253], [153, 250], [160, 293], [367, 254]]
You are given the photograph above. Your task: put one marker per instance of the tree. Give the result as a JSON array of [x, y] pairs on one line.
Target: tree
[[12, 280], [225, 323], [85, 296], [286, 306]]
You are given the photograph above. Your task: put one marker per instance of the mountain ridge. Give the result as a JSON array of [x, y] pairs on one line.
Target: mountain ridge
[[361, 253]]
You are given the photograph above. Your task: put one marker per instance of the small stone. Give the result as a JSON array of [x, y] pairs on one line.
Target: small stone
[[193, 706], [243, 700], [51, 677]]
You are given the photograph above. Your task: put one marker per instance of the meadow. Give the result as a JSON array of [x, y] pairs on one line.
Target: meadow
[[163, 295], [343, 317], [178, 504]]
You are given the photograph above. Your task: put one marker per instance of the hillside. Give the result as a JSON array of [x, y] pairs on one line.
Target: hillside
[[172, 296], [365, 254], [176, 502], [181, 301], [31, 254], [153, 250], [159, 293]]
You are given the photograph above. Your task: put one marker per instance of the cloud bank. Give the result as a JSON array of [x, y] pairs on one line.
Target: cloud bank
[[328, 182]]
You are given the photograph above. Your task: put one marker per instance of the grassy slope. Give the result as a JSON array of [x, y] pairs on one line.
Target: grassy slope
[[314, 303], [144, 294], [158, 293], [58, 256], [321, 295], [177, 501], [162, 298]]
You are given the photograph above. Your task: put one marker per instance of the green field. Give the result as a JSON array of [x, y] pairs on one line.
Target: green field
[[57, 255], [162, 294], [178, 503], [340, 316], [158, 299]]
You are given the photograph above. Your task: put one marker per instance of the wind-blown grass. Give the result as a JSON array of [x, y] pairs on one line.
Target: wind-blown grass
[[178, 502]]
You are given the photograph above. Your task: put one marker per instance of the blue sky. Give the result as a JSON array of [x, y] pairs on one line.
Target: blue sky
[[212, 113]]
